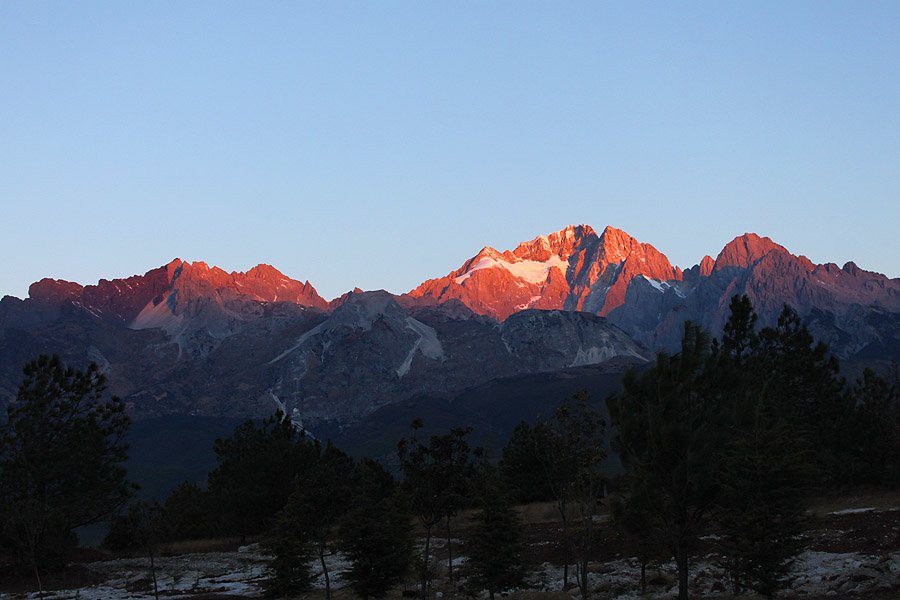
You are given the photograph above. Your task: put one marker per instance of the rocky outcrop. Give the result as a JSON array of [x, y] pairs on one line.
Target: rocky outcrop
[[373, 351], [839, 305], [190, 338], [571, 269], [202, 348], [183, 286], [634, 285]]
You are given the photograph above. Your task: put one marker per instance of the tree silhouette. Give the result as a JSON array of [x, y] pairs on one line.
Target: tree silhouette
[[61, 454], [257, 472], [436, 477], [670, 435], [573, 450], [376, 533], [494, 544], [290, 545]]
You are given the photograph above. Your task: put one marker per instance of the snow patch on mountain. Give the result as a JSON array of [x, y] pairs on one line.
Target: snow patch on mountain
[[531, 271], [428, 344], [158, 316], [530, 304], [662, 286], [594, 355]]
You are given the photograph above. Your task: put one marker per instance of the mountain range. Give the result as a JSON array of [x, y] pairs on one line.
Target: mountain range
[[191, 339]]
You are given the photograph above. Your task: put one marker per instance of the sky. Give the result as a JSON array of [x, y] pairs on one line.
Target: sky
[[380, 144]]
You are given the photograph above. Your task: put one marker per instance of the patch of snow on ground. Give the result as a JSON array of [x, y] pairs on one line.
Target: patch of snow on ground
[[592, 356], [850, 511], [484, 263], [536, 272], [815, 574]]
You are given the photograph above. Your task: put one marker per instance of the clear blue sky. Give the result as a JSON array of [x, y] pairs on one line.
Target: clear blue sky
[[379, 144]]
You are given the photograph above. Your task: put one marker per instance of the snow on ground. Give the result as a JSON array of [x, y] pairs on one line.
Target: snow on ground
[[130, 578], [225, 573], [850, 511], [241, 573], [428, 344], [816, 574]]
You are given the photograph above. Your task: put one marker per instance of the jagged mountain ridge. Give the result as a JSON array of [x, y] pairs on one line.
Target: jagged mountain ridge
[[189, 338], [571, 269], [635, 286], [211, 351]]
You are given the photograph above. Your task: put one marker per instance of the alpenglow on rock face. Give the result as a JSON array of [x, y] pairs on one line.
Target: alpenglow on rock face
[[856, 312], [572, 269], [196, 340], [190, 338]]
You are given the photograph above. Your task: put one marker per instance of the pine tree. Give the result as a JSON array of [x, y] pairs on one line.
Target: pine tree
[[522, 468], [795, 376], [187, 514], [376, 533], [878, 429], [322, 499], [257, 472], [494, 545], [290, 546], [635, 518], [767, 462], [62, 450], [764, 476], [436, 477], [671, 430], [575, 448]]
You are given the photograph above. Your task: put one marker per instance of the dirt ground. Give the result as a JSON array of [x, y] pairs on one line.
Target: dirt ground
[[853, 552]]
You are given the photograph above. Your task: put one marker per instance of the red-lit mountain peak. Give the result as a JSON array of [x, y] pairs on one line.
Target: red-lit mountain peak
[[566, 269], [265, 283], [745, 250]]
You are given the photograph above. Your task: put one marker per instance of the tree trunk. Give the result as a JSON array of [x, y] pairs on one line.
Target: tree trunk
[[449, 553], [37, 576], [681, 559], [566, 544], [581, 571], [153, 574], [320, 550], [424, 591]]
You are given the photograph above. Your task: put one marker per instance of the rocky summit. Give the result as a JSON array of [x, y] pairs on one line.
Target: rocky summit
[[187, 338], [631, 283], [572, 269]]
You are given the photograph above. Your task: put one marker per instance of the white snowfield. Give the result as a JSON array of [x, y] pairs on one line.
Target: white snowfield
[[531, 271]]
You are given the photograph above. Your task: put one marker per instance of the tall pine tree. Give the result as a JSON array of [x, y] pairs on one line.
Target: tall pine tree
[[670, 433], [376, 533], [494, 544], [62, 450]]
